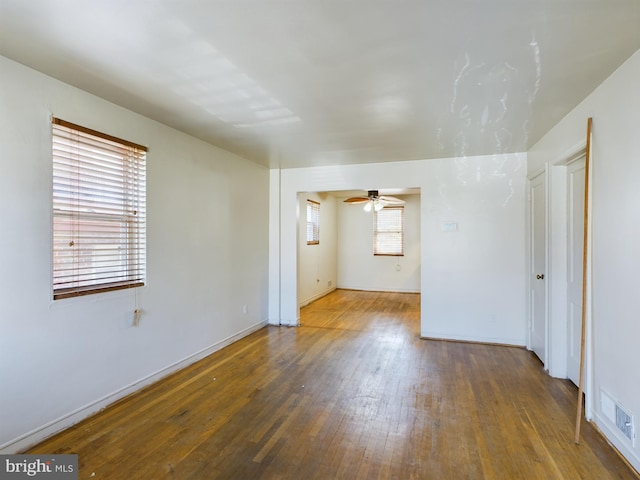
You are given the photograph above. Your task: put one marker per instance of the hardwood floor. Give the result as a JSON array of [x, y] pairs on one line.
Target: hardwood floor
[[353, 393]]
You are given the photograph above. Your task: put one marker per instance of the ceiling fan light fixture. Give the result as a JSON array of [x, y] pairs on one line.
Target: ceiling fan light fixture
[[374, 201]]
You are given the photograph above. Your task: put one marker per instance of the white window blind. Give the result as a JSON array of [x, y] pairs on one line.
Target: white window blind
[[388, 231], [313, 222], [99, 211]]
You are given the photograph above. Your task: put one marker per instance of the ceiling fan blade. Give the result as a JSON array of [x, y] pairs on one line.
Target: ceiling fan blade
[[391, 200], [355, 200]]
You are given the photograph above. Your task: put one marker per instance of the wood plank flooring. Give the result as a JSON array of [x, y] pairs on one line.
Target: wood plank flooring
[[353, 393]]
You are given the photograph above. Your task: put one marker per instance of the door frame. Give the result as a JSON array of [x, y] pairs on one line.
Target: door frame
[[571, 167], [555, 171], [544, 173], [557, 209]]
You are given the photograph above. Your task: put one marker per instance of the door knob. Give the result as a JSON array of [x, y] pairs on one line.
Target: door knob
[[540, 277]]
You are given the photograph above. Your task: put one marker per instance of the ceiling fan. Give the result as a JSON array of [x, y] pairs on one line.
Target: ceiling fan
[[375, 201]]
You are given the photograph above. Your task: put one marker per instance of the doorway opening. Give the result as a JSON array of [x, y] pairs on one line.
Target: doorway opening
[[343, 258]]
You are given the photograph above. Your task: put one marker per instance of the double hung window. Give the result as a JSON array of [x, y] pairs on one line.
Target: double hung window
[[313, 222], [99, 212], [388, 231]]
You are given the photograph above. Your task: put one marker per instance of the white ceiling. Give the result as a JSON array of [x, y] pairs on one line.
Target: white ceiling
[[290, 83]]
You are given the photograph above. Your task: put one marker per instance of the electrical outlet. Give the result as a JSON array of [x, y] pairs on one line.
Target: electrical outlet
[[329, 283]]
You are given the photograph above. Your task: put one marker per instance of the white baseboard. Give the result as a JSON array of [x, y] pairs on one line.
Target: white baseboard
[[313, 298], [619, 442], [473, 339], [383, 290], [38, 434]]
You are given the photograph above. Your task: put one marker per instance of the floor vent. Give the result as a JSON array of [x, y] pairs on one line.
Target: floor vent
[[615, 414], [624, 422]]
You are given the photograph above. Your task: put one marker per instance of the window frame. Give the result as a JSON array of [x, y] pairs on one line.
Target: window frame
[[379, 231], [98, 212], [313, 222]]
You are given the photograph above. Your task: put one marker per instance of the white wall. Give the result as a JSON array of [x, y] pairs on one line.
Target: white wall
[[614, 332], [359, 269], [207, 258], [473, 280], [317, 273]]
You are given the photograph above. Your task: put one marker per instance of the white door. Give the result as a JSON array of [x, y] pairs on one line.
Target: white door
[[538, 333], [575, 246]]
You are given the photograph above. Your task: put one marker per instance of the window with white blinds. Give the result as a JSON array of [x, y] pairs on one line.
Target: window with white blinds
[[313, 222], [388, 231], [99, 212]]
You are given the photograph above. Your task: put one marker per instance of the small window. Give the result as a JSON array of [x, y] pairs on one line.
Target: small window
[[388, 231], [99, 212], [313, 222]]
